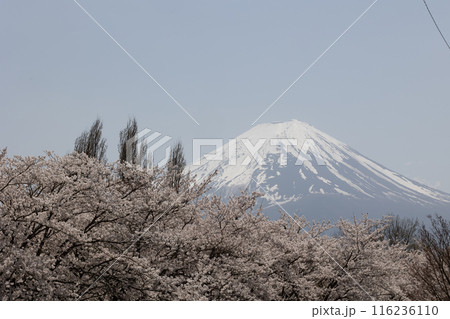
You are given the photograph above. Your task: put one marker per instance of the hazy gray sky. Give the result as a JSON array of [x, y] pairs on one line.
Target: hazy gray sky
[[383, 88]]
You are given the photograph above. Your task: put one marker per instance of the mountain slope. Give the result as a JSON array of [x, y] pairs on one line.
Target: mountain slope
[[311, 173]]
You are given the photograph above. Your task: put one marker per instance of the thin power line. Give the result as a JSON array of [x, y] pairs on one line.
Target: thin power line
[[314, 63], [136, 62], [435, 23]]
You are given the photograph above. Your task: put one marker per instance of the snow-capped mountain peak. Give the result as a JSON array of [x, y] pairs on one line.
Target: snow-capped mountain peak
[[294, 163]]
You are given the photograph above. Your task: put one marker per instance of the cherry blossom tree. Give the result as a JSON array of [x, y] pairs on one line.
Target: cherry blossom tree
[[65, 220], [75, 228]]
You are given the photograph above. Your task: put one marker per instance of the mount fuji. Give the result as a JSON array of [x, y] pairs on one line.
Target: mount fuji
[[304, 171]]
